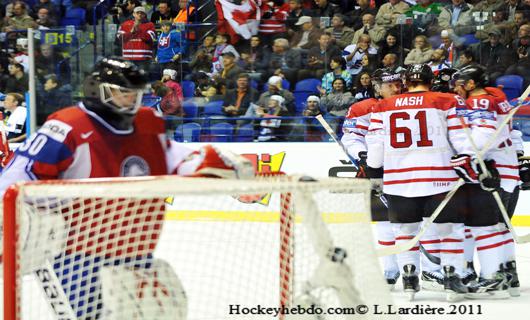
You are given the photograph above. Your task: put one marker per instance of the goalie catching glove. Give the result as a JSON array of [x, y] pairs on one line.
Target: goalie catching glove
[[524, 172], [211, 161]]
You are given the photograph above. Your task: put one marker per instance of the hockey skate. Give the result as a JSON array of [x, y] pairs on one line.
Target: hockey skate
[[470, 275], [494, 288], [513, 288], [432, 281], [391, 278], [453, 285], [411, 282]]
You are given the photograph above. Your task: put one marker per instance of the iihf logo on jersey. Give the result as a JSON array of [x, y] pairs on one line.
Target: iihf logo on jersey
[[134, 166]]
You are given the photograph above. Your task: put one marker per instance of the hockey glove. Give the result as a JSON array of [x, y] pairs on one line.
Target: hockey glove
[[491, 180], [221, 163], [362, 165], [524, 172], [376, 179], [464, 167]]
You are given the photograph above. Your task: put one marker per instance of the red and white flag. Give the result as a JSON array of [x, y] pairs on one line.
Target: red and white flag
[[238, 20]]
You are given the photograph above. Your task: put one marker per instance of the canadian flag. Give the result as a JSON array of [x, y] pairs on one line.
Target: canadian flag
[[238, 20]]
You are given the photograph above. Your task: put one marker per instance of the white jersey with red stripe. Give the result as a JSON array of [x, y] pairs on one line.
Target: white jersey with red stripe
[[484, 113], [355, 127], [414, 135]]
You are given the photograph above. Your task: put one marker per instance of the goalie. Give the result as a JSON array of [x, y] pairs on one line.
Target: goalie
[[109, 134]]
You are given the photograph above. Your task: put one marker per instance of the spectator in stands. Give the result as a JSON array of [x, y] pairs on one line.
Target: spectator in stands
[[18, 80], [222, 45], [201, 60], [498, 21], [138, 37], [296, 11], [522, 65], [356, 15], [275, 88], [448, 45], [52, 96], [170, 104], [456, 18], [338, 100], [308, 129], [512, 6], [392, 45], [54, 12], [488, 7], [354, 53], [20, 20], [44, 20], [341, 34], [285, 59], [273, 129], [494, 56], [272, 24], [21, 53], [438, 61], [465, 58], [4, 75], [312, 107], [376, 33], [186, 12], [337, 65], [258, 58], [421, 53], [169, 79], [163, 13], [238, 100], [326, 9], [50, 61], [318, 58], [390, 62], [387, 15], [363, 87], [171, 47], [16, 117], [122, 13], [425, 16], [308, 36], [228, 75]]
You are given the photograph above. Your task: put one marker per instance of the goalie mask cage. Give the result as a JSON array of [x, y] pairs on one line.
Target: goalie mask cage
[[102, 248]]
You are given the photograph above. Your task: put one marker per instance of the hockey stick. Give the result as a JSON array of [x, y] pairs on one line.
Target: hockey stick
[[496, 196], [335, 138], [409, 244], [327, 127]]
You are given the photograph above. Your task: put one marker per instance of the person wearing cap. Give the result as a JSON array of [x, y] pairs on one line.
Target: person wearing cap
[[493, 55], [274, 88], [171, 47], [273, 129], [308, 36], [228, 74], [498, 23], [169, 78], [296, 10], [138, 37]]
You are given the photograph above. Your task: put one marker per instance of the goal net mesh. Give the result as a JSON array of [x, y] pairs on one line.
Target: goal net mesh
[[87, 249]]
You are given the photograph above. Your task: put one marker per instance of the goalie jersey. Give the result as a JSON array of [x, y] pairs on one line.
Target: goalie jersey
[[484, 113], [414, 135]]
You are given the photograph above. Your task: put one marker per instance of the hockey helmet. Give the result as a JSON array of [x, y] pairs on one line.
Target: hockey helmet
[[442, 80], [118, 84], [385, 75], [472, 72], [420, 73]]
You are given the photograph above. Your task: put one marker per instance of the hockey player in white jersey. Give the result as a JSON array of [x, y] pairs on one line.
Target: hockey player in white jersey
[[486, 108], [386, 83], [413, 135]]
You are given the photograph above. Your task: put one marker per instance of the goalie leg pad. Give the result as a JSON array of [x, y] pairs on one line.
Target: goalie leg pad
[[134, 293]]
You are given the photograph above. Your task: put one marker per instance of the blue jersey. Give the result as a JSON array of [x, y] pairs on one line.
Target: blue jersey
[[170, 44]]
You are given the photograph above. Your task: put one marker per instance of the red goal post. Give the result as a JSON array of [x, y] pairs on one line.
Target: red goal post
[[266, 253]]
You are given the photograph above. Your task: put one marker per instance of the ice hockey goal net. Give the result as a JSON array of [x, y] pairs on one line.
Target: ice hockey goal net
[[236, 246]]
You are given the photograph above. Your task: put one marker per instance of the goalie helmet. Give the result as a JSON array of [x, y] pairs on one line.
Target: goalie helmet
[[114, 91], [419, 73], [472, 72]]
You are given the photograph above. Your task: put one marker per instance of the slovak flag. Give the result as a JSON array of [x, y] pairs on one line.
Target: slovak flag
[[238, 20]]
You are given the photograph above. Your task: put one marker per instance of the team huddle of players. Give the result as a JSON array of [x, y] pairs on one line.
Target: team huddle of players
[[415, 144]]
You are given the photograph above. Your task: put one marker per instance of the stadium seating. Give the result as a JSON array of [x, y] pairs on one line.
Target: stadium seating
[[188, 132], [213, 108], [309, 85], [191, 110], [300, 98], [188, 88], [469, 39], [245, 133], [151, 101], [74, 17], [512, 85], [285, 85], [221, 132]]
